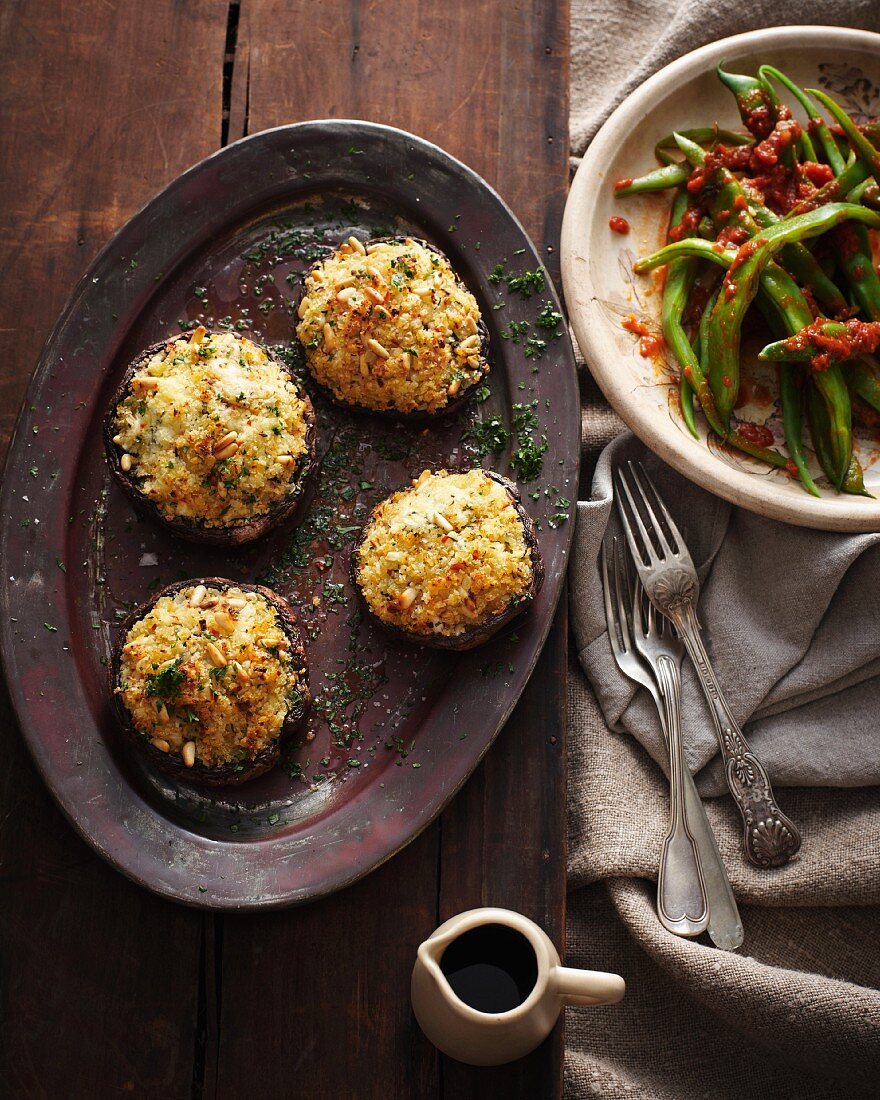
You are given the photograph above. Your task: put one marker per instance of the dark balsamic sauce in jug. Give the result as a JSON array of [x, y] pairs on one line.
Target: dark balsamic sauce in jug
[[491, 968]]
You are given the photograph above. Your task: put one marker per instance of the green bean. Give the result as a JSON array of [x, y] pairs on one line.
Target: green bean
[[754, 98], [680, 276], [794, 349], [731, 198], [697, 247], [702, 135], [834, 190], [858, 264], [862, 377], [854, 135], [670, 175], [792, 424], [826, 138], [832, 439], [742, 283]]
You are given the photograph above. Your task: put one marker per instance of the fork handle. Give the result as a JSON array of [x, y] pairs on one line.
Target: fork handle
[[770, 839], [681, 896]]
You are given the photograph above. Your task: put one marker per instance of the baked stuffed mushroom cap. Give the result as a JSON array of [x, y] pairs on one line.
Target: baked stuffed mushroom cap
[[211, 435], [388, 327], [209, 677], [449, 560]]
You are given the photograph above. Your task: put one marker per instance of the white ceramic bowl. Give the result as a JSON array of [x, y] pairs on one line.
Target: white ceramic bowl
[[601, 289]]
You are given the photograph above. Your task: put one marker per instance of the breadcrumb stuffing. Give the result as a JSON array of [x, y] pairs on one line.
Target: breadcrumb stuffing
[[190, 397], [392, 329], [445, 554], [177, 690]]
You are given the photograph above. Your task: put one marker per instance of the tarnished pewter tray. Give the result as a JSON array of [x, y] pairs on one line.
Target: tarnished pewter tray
[[396, 729]]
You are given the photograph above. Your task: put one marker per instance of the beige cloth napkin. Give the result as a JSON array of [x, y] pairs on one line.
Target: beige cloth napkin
[[795, 1013]]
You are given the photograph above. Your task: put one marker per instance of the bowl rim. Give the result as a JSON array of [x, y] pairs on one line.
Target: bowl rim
[[686, 455]]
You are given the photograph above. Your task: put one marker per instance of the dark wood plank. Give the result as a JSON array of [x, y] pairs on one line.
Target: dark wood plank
[[330, 983], [102, 105]]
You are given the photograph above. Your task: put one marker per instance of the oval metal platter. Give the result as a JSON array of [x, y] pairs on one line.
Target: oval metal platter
[[396, 729]]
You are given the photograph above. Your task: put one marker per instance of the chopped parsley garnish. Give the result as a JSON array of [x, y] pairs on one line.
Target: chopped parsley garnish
[[486, 436], [166, 684], [548, 317], [526, 283]]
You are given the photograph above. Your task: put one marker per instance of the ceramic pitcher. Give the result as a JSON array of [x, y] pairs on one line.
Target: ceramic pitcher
[[487, 1038]]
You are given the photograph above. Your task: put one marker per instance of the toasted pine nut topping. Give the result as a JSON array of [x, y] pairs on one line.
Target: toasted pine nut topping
[[227, 452], [224, 441], [357, 245], [453, 387], [125, 462], [442, 521], [161, 744], [378, 348], [408, 598], [117, 439], [375, 274], [343, 283], [285, 460], [224, 623], [347, 293], [241, 673], [197, 336], [188, 753], [470, 343], [329, 338], [376, 295], [164, 716], [302, 309], [215, 656], [470, 325], [145, 383], [198, 595], [236, 602]]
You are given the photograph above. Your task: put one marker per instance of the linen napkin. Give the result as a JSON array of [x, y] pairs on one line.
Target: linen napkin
[[790, 616]]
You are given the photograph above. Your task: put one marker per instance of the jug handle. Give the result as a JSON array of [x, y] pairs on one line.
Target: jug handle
[[587, 987]]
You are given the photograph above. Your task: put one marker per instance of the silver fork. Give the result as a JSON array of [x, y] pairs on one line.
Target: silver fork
[[725, 927], [667, 572]]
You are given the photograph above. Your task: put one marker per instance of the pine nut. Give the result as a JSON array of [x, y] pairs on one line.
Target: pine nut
[[224, 441], [302, 308], [206, 605], [453, 387], [408, 598], [117, 439], [357, 245], [125, 462], [380, 247], [375, 274], [285, 460], [365, 369], [442, 521], [348, 281], [236, 602], [224, 623], [473, 361], [145, 383], [198, 595], [189, 753], [378, 349], [470, 325], [383, 312], [329, 338], [164, 716], [197, 336], [346, 294], [377, 297], [161, 744], [227, 452], [241, 674], [422, 289], [471, 343], [216, 657]]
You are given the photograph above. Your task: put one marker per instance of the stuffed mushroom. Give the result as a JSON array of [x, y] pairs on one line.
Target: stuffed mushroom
[[211, 435], [388, 327], [209, 678], [449, 560]]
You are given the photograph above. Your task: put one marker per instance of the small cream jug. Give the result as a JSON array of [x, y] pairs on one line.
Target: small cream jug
[[506, 965]]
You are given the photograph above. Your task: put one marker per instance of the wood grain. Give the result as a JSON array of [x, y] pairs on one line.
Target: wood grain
[[504, 112], [102, 105]]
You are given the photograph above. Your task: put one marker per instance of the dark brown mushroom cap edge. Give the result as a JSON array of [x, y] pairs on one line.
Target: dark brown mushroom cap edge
[[418, 416], [483, 631], [193, 530], [225, 775]]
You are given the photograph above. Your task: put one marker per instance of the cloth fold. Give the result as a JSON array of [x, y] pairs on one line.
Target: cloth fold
[[789, 617]]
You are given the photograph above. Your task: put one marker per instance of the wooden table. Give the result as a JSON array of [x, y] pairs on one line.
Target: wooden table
[[104, 989]]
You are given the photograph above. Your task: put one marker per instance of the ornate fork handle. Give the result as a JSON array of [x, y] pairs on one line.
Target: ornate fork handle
[[770, 838]]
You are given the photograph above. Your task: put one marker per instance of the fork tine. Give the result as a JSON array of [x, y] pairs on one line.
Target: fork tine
[[645, 479], [626, 522], [658, 531], [610, 615], [620, 590]]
